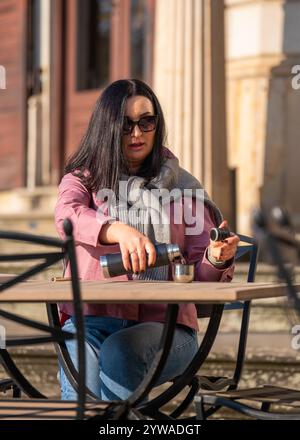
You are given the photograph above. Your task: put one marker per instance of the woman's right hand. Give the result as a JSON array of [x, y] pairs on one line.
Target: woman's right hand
[[133, 244]]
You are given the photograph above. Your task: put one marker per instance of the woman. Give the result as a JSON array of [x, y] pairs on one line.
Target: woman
[[124, 142]]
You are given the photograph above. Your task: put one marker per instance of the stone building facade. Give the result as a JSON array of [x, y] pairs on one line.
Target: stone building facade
[[225, 72]]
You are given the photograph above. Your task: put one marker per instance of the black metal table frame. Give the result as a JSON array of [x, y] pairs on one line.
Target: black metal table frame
[[57, 335], [151, 408], [188, 377]]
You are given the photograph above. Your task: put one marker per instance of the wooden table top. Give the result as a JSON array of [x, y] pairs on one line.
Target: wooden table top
[[142, 292]]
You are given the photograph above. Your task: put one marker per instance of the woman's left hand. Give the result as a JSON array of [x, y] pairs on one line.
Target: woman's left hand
[[224, 250]]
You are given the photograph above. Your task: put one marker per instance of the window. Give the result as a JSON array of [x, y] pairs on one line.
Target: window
[[93, 43], [114, 39], [33, 49], [140, 46]]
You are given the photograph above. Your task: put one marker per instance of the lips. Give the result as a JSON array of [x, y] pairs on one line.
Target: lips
[[139, 144], [136, 147]]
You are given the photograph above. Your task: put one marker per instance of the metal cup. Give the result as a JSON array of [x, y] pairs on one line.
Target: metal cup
[[183, 273]]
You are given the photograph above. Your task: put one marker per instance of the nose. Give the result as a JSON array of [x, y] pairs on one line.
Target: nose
[[136, 131]]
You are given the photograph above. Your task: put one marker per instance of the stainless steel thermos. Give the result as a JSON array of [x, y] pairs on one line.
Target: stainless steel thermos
[[112, 264]]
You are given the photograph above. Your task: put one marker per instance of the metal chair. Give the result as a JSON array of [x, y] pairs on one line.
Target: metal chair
[[38, 406], [267, 396], [264, 396], [18, 381]]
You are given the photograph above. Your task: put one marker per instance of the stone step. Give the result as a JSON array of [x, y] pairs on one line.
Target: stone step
[[30, 211], [25, 201]]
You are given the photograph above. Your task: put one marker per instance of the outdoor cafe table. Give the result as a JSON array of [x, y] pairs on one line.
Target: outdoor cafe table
[[142, 292], [170, 293]]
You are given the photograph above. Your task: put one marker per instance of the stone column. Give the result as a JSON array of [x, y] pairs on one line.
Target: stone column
[[190, 83], [263, 45], [2, 78], [45, 81], [38, 156]]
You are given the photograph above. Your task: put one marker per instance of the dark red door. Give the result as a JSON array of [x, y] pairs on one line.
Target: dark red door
[[105, 40]]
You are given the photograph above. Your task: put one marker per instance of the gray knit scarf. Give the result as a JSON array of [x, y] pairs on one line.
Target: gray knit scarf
[[134, 206]]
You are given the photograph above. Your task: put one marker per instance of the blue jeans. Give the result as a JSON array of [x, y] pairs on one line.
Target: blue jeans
[[120, 352]]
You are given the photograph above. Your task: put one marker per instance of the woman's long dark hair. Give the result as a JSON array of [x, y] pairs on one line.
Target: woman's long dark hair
[[100, 150]]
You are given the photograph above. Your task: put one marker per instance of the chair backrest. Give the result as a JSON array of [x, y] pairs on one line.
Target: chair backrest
[[251, 250], [66, 250]]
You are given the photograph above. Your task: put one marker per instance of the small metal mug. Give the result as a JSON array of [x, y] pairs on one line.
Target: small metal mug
[[183, 273]]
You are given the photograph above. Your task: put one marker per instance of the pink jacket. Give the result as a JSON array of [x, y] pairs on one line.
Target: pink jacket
[[78, 204]]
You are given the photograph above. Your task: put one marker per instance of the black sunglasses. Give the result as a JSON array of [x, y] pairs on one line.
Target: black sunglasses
[[145, 124]]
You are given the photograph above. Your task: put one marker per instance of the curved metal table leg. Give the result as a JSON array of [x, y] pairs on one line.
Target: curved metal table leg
[[160, 358], [63, 355], [13, 371], [121, 408], [187, 376], [157, 365]]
